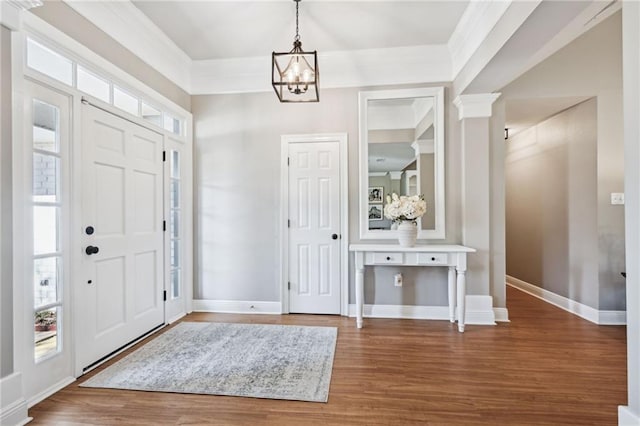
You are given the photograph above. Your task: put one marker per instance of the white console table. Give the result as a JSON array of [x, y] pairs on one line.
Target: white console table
[[452, 256]]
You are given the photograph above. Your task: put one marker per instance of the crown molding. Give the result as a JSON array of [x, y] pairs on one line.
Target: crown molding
[[475, 106], [10, 11], [126, 24], [476, 23], [359, 68]]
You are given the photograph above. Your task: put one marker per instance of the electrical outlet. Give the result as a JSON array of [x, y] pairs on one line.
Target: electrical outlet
[[397, 280], [617, 198]]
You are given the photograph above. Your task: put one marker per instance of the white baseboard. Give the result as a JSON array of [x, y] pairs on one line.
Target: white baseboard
[[576, 308], [402, 311], [626, 417], [477, 311], [502, 314], [612, 317], [50, 391], [13, 406], [236, 306]]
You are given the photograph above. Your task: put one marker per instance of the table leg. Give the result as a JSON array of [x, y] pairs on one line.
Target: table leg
[[452, 293], [359, 288], [462, 291]]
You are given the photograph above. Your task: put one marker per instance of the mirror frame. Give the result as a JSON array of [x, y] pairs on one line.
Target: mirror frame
[[438, 119]]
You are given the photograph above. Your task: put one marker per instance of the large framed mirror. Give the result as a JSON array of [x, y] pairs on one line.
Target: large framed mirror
[[402, 152]]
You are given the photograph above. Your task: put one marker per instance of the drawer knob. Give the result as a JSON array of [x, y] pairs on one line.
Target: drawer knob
[[388, 257], [433, 259]]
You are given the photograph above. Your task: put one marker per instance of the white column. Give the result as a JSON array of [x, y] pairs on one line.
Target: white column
[[630, 413], [474, 112]]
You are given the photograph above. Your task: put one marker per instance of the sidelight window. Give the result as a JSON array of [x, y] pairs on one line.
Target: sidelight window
[[47, 254]]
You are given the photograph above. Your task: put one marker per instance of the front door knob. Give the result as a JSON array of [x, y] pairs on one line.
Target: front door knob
[[91, 250], [334, 236]]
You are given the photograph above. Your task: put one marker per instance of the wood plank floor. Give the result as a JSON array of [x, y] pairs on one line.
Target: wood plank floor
[[545, 367]]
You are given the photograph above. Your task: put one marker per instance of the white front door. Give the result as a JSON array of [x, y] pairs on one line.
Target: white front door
[[314, 227], [120, 295]]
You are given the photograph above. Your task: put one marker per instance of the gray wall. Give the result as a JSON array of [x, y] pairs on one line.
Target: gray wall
[[237, 187], [67, 20], [551, 205], [592, 66], [6, 259]]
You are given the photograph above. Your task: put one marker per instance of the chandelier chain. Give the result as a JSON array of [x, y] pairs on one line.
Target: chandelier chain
[[297, 35]]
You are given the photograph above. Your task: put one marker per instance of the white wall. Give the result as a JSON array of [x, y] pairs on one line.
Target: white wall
[[237, 172], [630, 414]]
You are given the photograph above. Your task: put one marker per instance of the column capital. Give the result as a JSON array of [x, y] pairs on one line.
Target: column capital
[[395, 175], [10, 11], [475, 106]]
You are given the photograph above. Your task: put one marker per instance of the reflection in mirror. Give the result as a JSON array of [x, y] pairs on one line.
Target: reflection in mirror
[[401, 146]]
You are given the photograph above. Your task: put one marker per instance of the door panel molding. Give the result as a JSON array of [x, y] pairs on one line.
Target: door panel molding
[[286, 140]]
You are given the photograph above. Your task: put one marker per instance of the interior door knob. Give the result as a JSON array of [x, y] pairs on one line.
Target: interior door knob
[[91, 250], [334, 236]]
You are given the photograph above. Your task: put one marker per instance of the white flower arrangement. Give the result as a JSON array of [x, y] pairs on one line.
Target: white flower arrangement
[[405, 208]]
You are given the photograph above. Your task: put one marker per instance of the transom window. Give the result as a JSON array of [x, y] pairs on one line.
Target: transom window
[[57, 66]]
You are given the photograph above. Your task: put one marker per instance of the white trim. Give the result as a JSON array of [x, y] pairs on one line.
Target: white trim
[[363, 151], [78, 52], [479, 310], [236, 306], [476, 311], [475, 106], [501, 314], [13, 406], [50, 391], [130, 27], [612, 317], [11, 12], [473, 28], [626, 417], [576, 308], [354, 68], [343, 142]]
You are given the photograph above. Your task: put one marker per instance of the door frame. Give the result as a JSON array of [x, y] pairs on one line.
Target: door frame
[[343, 142]]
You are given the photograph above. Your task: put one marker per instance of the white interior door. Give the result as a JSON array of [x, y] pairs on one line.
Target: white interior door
[[121, 294], [314, 227]]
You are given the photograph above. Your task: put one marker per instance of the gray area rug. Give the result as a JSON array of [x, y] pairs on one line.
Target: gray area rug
[[260, 361]]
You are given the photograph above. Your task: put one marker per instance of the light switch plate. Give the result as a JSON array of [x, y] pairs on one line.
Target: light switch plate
[[617, 198]]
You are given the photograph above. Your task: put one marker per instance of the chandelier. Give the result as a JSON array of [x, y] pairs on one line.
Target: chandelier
[[295, 74]]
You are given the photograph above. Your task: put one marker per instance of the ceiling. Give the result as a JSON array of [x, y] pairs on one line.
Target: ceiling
[[235, 29], [524, 113]]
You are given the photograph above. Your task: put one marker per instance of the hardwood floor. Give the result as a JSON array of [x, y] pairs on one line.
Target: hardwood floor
[[545, 367]]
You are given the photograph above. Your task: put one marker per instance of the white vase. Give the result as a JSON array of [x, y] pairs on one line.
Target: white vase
[[407, 233]]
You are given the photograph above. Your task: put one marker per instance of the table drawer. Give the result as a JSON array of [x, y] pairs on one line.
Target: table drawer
[[380, 258], [433, 258]]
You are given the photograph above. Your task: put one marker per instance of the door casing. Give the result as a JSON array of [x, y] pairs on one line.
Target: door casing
[[286, 140]]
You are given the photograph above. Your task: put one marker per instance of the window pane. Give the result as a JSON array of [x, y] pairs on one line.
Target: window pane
[[125, 101], [175, 253], [45, 229], [175, 224], [175, 283], [46, 333], [151, 114], [171, 124], [175, 164], [45, 178], [46, 124], [49, 62], [92, 84], [175, 194], [46, 273]]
